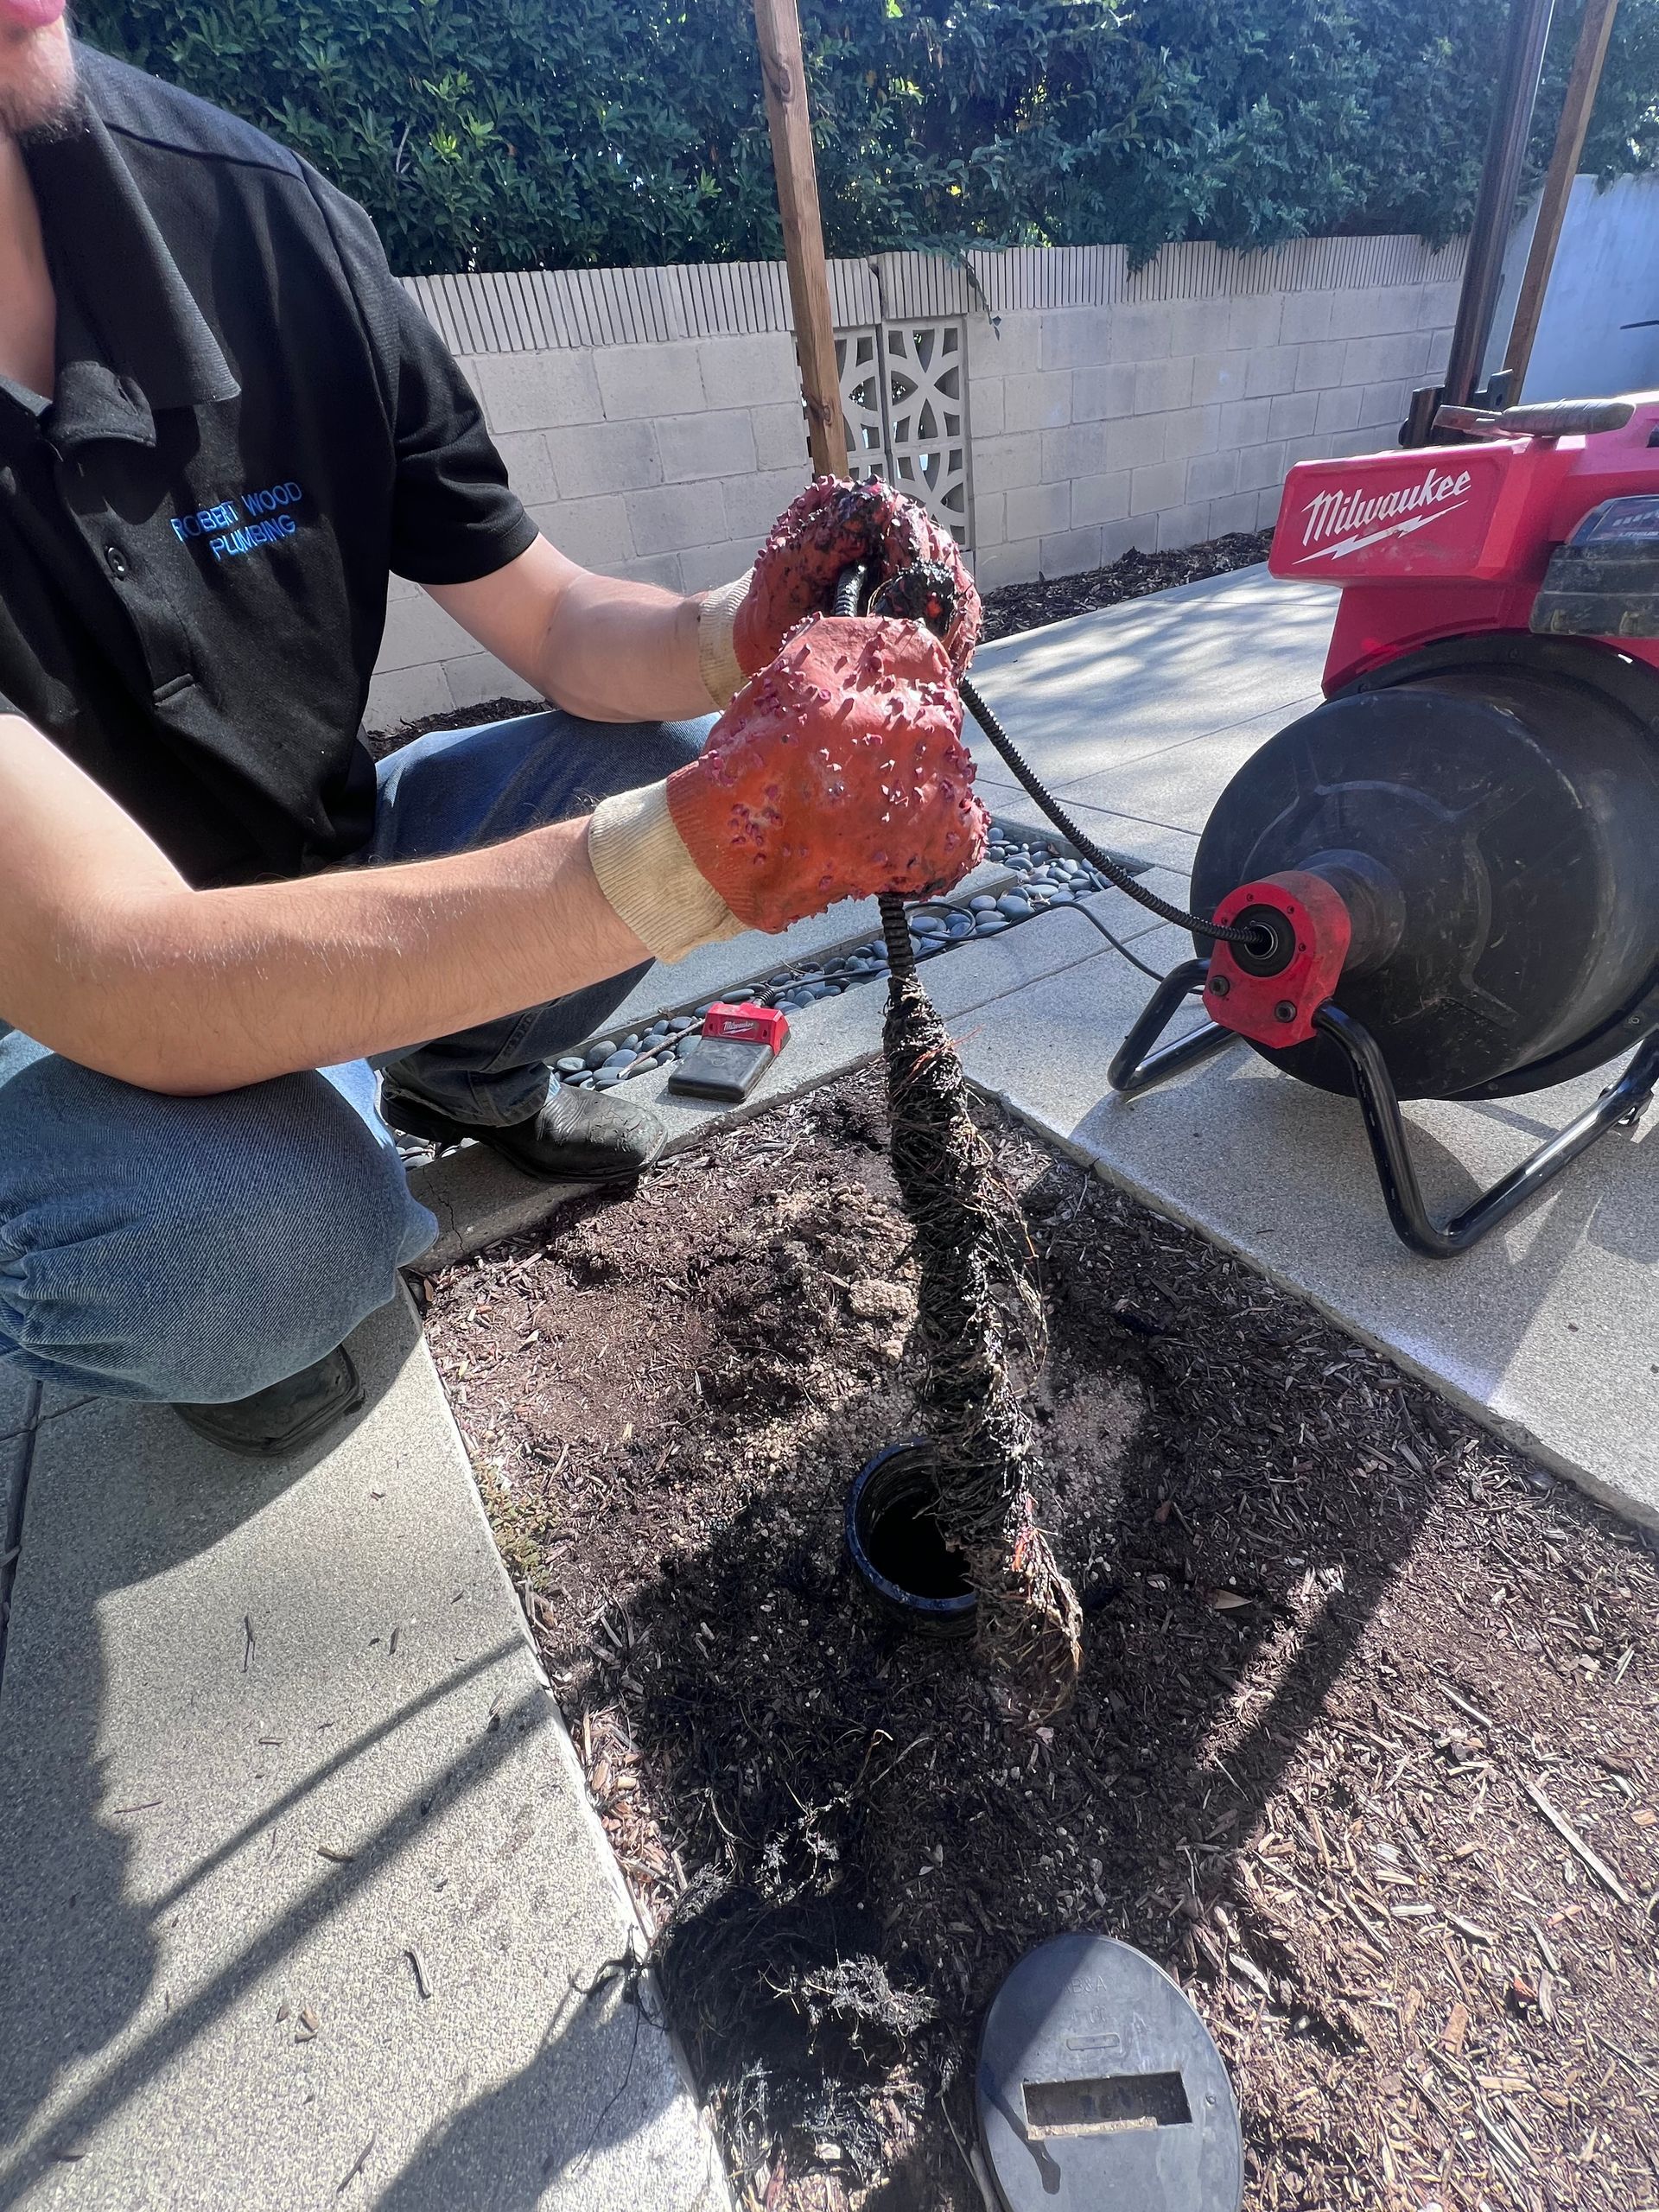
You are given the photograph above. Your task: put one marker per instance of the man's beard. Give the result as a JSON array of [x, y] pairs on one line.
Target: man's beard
[[46, 104]]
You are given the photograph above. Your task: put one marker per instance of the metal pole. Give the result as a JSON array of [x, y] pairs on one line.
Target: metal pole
[[778, 29], [1506, 147], [1581, 85]]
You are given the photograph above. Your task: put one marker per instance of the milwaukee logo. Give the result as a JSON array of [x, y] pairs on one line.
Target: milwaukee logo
[[1350, 516]]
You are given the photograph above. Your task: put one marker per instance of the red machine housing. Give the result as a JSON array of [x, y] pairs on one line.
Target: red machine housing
[[1452, 541], [1441, 883], [1272, 999]]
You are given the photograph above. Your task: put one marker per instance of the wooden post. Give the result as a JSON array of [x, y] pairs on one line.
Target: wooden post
[[1581, 84], [778, 28]]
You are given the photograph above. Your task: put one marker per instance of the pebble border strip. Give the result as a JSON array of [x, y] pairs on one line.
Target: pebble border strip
[[1047, 874]]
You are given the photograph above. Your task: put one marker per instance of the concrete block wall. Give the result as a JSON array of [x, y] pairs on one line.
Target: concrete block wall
[[1163, 422], [650, 419], [667, 462]]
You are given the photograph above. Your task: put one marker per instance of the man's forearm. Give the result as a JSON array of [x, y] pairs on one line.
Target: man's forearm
[[621, 652], [596, 645], [108, 957], [197, 991]]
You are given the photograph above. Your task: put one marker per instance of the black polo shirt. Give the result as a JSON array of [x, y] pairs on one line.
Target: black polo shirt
[[252, 426]]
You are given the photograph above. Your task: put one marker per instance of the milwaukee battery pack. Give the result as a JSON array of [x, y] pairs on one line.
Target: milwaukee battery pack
[[738, 1044]]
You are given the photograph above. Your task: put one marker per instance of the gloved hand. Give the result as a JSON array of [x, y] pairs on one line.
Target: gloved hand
[[838, 771], [831, 526]]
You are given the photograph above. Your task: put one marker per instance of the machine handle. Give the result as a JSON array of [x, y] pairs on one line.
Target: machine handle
[[1549, 418]]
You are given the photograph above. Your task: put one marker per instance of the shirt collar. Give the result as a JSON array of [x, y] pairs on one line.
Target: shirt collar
[[131, 339]]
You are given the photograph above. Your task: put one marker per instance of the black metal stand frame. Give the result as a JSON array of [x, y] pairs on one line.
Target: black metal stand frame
[[1140, 1064]]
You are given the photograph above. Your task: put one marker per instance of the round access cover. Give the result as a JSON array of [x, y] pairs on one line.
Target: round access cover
[[1099, 2089]]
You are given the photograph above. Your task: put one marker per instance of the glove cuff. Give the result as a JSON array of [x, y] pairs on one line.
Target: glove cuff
[[645, 870], [717, 663]]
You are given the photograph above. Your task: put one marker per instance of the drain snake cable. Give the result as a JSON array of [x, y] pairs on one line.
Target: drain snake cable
[[935, 610]]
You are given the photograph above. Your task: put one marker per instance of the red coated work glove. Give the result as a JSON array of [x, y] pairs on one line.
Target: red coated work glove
[[837, 772], [830, 527]]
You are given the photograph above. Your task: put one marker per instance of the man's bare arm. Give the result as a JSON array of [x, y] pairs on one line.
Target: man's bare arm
[[108, 957], [612, 652]]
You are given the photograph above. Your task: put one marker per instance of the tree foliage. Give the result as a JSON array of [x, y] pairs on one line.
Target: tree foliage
[[570, 133]]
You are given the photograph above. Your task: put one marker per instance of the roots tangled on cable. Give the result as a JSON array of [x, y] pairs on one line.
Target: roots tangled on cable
[[978, 1309]]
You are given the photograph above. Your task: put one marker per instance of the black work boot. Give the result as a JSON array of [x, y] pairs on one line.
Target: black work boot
[[287, 1415], [577, 1136]]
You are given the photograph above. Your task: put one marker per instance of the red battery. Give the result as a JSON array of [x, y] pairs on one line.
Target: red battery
[[738, 1044], [743, 1018]]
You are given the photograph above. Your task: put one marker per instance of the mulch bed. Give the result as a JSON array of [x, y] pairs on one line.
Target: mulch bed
[[1016, 606], [1055, 599], [1345, 1657]]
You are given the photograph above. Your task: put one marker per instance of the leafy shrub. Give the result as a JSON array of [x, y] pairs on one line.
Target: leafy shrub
[[570, 133]]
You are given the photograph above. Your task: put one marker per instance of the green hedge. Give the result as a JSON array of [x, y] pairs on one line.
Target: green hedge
[[568, 133]]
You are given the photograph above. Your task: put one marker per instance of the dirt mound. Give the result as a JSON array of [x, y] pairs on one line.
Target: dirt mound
[[1340, 1648]]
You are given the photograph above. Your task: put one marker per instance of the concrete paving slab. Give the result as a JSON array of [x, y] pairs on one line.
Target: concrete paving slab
[[1136, 678], [22, 1407], [267, 1736], [15, 1452], [1156, 843], [1548, 1331], [1177, 786], [16, 1403], [25, 1408]]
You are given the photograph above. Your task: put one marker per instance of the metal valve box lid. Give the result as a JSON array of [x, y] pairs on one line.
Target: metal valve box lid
[[1099, 2089]]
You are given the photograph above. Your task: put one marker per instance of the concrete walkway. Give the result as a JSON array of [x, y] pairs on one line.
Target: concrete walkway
[[300, 1892]]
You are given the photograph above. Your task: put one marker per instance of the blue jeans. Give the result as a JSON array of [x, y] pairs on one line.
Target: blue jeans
[[197, 1249]]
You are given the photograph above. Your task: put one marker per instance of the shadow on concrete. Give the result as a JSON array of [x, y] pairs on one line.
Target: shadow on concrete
[[83, 2027], [97, 2036], [547, 2102], [77, 1961], [76, 1958]]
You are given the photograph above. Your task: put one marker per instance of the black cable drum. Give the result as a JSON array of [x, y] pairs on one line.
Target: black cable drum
[[1494, 827]]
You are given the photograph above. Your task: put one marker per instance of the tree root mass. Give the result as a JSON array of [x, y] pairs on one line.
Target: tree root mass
[[979, 1319]]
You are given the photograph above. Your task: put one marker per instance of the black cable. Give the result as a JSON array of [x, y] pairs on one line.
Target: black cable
[[895, 929], [1114, 871], [949, 906], [849, 590], [1117, 944]]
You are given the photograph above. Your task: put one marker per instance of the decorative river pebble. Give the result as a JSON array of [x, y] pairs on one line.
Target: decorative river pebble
[[1045, 876]]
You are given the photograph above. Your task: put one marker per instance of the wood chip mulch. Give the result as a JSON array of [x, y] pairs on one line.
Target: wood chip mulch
[[1366, 1750]]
